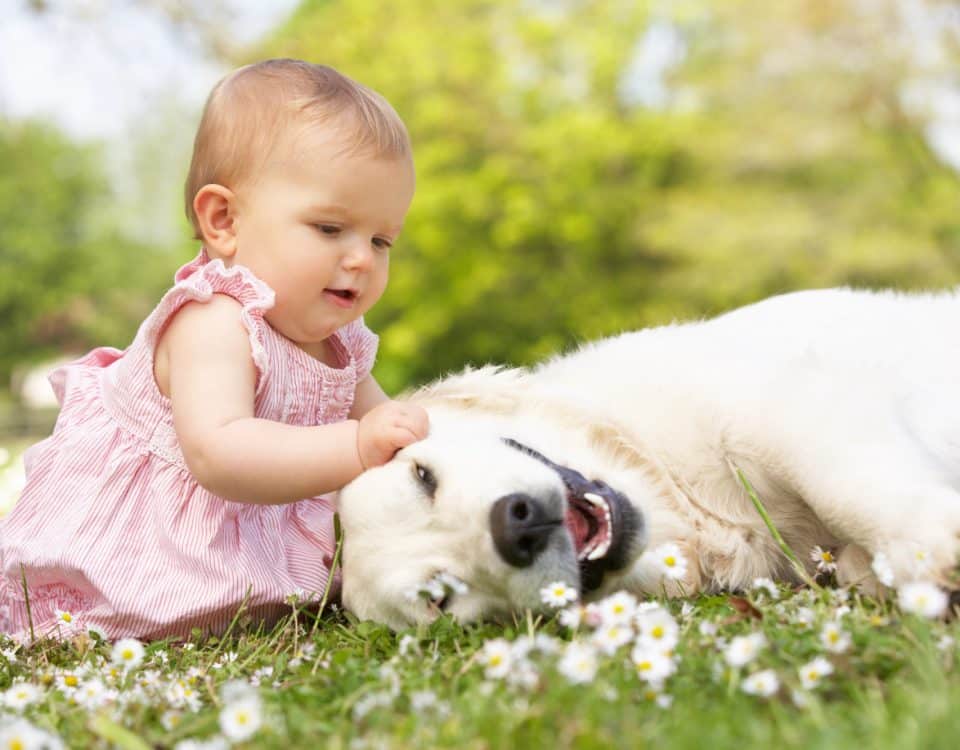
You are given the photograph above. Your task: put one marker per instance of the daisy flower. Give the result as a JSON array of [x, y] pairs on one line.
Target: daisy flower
[[766, 586], [22, 734], [241, 719], [128, 653], [923, 598], [63, 616], [618, 608], [579, 663], [496, 658], [422, 701], [826, 562], [558, 594], [812, 672], [571, 617], [881, 569], [670, 561], [834, 638], [651, 665], [804, 616], [21, 695], [744, 649], [763, 683], [657, 627], [609, 637]]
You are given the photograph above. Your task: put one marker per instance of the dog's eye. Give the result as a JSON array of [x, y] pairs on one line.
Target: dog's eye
[[426, 478], [441, 603]]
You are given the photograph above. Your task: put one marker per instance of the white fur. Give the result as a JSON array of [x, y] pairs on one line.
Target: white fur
[[841, 407]]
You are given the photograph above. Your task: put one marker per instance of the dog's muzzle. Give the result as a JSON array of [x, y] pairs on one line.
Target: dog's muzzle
[[603, 524]]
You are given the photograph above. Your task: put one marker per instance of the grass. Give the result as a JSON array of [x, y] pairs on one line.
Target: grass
[[356, 684], [339, 683]]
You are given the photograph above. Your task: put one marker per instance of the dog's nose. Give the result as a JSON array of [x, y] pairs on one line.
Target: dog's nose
[[521, 528]]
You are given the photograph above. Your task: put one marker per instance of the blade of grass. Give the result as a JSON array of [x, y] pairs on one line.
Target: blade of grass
[[784, 547]]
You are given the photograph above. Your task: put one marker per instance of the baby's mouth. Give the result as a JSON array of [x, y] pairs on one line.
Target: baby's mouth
[[345, 294]]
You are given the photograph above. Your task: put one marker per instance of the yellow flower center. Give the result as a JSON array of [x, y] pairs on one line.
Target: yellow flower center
[[70, 680], [242, 718], [66, 617], [827, 556], [15, 744], [644, 666], [669, 561], [496, 660], [657, 631], [127, 654]]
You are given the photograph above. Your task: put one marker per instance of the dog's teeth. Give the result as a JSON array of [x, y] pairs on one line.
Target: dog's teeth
[[598, 552], [595, 500]]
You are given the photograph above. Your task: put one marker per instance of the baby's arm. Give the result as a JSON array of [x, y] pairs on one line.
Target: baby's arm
[[229, 451]]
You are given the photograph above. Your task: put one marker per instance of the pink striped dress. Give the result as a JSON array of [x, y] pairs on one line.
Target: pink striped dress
[[112, 527]]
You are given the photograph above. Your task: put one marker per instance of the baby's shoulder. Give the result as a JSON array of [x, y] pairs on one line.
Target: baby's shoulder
[[199, 329]]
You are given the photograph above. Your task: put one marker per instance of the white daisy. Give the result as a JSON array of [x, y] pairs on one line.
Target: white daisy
[[763, 683], [652, 666], [579, 663], [20, 695], [812, 672], [497, 658], [744, 649], [657, 627], [618, 608], [670, 561], [804, 616], [571, 617], [826, 562], [558, 594], [127, 653], [611, 636], [834, 638], [422, 700], [881, 569], [766, 586], [63, 616], [923, 598], [23, 735], [241, 719]]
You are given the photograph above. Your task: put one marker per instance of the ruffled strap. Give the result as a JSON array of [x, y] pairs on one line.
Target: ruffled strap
[[361, 343], [198, 281]]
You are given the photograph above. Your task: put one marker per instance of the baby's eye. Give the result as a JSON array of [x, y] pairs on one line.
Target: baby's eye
[[382, 243], [330, 229]]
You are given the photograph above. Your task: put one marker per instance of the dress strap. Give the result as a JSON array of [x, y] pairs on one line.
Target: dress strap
[[198, 281]]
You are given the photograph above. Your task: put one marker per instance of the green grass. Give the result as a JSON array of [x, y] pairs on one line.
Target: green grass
[[896, 686]]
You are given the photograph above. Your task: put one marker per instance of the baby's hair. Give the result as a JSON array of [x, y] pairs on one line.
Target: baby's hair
[[249, 111]]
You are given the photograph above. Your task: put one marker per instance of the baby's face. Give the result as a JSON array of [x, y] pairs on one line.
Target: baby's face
[[317, 226]]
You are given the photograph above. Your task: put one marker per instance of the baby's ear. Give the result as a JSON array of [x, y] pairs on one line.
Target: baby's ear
[[215, 208]]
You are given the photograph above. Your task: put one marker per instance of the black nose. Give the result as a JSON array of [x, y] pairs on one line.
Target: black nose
[[521, 528]]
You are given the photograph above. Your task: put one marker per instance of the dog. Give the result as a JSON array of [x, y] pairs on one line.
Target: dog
[[839, 408]]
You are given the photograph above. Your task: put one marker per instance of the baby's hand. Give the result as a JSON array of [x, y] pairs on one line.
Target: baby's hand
[[387, 428]]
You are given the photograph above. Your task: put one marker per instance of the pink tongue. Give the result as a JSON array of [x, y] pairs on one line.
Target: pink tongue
[[579, 527]]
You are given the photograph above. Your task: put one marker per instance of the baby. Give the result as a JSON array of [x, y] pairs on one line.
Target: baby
[[184, 476]]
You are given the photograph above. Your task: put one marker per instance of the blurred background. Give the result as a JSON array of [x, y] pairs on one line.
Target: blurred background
[[584, 167]]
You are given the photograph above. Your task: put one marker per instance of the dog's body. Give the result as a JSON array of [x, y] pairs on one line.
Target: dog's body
[[841, 408]]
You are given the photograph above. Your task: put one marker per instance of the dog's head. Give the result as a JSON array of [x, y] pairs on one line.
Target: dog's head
[[474, 505]]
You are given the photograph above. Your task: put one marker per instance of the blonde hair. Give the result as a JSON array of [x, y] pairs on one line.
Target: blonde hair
[[249, 109]]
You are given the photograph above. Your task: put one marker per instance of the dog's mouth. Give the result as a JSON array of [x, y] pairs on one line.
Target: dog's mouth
[[602, 523], [590, 525]]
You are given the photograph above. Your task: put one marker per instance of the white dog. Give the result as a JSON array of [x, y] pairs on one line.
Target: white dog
[[841, 408]]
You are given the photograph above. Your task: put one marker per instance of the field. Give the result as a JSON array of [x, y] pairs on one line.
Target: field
[[736, 671]]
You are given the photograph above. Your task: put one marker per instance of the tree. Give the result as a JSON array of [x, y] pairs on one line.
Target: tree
[[553, 207]]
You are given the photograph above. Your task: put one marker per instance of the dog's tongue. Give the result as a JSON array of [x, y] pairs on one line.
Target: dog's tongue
[[578, 525]]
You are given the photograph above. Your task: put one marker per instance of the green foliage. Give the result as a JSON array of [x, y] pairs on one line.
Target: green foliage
[[551, 208], [67, 280]]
